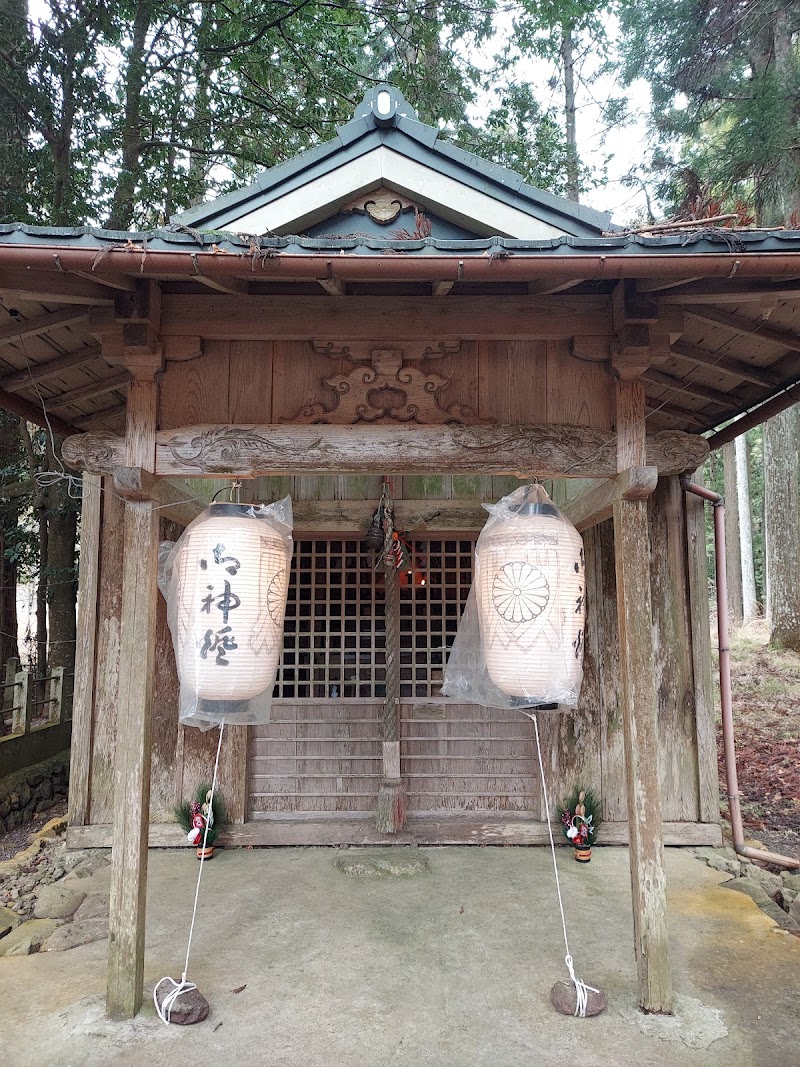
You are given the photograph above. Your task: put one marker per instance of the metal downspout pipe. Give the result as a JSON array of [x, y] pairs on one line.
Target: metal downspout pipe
[[731, 777]]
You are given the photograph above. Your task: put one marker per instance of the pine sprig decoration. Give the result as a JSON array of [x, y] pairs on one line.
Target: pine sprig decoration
[[580, 816], [186, 811]]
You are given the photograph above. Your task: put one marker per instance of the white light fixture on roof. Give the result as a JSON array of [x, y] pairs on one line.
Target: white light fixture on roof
[[383, 103]]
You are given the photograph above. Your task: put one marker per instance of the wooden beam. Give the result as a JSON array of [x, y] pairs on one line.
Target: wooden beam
[[113, 281], [547, 451], [333, 286], [660, 285], [597, 504], [86, 392], [722, 291], [441, 288], [51, 287], [470, 828], [174, 501], [34, 413], [346, 516], [653, 406], [132, 756], [98, 418], [774, 406], [759, 328], [38, 372], [705, 392], [553, 285], [298, 318], [632, 305], [20, 328], [231, 286], [83, 696], [735, 368], [639, 705]]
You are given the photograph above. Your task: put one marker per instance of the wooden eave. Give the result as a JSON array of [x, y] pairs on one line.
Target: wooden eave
[[740, 310]]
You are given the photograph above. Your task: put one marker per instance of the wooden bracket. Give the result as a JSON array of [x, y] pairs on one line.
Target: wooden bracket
[[597, 504], [633, 314], [137, 484], [182, 349]]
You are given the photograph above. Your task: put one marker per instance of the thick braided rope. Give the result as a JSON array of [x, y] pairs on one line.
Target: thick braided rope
[[390, 703]]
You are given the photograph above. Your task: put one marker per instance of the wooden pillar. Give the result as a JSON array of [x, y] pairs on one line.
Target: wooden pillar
[[133, 742], [639, 714]]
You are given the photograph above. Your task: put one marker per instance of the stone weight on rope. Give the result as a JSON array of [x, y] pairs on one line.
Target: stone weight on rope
[[563, 997], [190, 1006]]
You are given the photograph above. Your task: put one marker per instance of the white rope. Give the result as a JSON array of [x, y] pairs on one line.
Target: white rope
[[164, 1010], [582, 990]]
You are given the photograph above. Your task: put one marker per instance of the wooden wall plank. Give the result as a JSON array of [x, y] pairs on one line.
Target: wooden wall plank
[[106, 684], [673, 667], [83, 696], [705, 723], [196, 389], [578, 392], [165, 771], [602, 623], [250, 388], [512, 381]]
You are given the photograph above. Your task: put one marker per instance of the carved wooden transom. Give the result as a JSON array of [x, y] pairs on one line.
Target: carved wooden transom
[[382, 205], [389, 389]]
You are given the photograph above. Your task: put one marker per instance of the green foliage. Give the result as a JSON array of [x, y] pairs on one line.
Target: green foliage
[[725, 84], [520, 135]]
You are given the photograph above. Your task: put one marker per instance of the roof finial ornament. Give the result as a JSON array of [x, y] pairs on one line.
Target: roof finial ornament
[[384, 104]]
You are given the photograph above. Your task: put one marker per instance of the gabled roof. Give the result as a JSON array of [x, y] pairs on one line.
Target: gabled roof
[[384, 144]]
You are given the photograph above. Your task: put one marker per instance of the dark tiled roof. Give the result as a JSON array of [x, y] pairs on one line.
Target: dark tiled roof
[[177, 238], [404, 134]]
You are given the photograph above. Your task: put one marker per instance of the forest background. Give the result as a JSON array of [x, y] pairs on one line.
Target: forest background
[[122, 115]]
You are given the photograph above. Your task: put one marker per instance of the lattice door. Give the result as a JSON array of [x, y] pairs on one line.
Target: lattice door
[[321, 752], [454, 757]]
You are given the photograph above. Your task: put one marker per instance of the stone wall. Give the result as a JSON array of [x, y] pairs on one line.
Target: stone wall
[[34, 789]]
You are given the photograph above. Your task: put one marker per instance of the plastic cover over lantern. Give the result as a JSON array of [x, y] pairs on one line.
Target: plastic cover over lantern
[[520, 640], [226, 581]]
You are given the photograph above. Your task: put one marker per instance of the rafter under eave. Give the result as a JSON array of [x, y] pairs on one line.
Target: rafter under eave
[[37, 372], [750, 327], [20, 328]]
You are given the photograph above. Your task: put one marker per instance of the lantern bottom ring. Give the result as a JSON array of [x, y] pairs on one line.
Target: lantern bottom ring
[[525, 703], [219, 708]]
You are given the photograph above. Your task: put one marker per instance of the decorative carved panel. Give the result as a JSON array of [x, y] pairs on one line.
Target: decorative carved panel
[[388, 390], [382, 205]]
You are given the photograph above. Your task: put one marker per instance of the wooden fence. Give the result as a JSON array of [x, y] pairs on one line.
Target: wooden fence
[[20, 709]]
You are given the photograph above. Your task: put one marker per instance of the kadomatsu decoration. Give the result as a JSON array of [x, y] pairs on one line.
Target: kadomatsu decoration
[[227, 582], [580, 821], [205, 810]]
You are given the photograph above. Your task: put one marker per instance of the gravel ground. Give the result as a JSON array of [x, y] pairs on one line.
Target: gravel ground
[[18, 839]]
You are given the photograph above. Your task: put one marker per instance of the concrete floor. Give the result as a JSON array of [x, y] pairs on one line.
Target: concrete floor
[[451, 967]]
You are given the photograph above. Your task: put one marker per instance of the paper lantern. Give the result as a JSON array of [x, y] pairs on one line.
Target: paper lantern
[[227, 600], [530, 588]]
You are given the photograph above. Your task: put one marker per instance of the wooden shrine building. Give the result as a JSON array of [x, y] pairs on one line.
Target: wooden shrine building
[[387, 304]]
